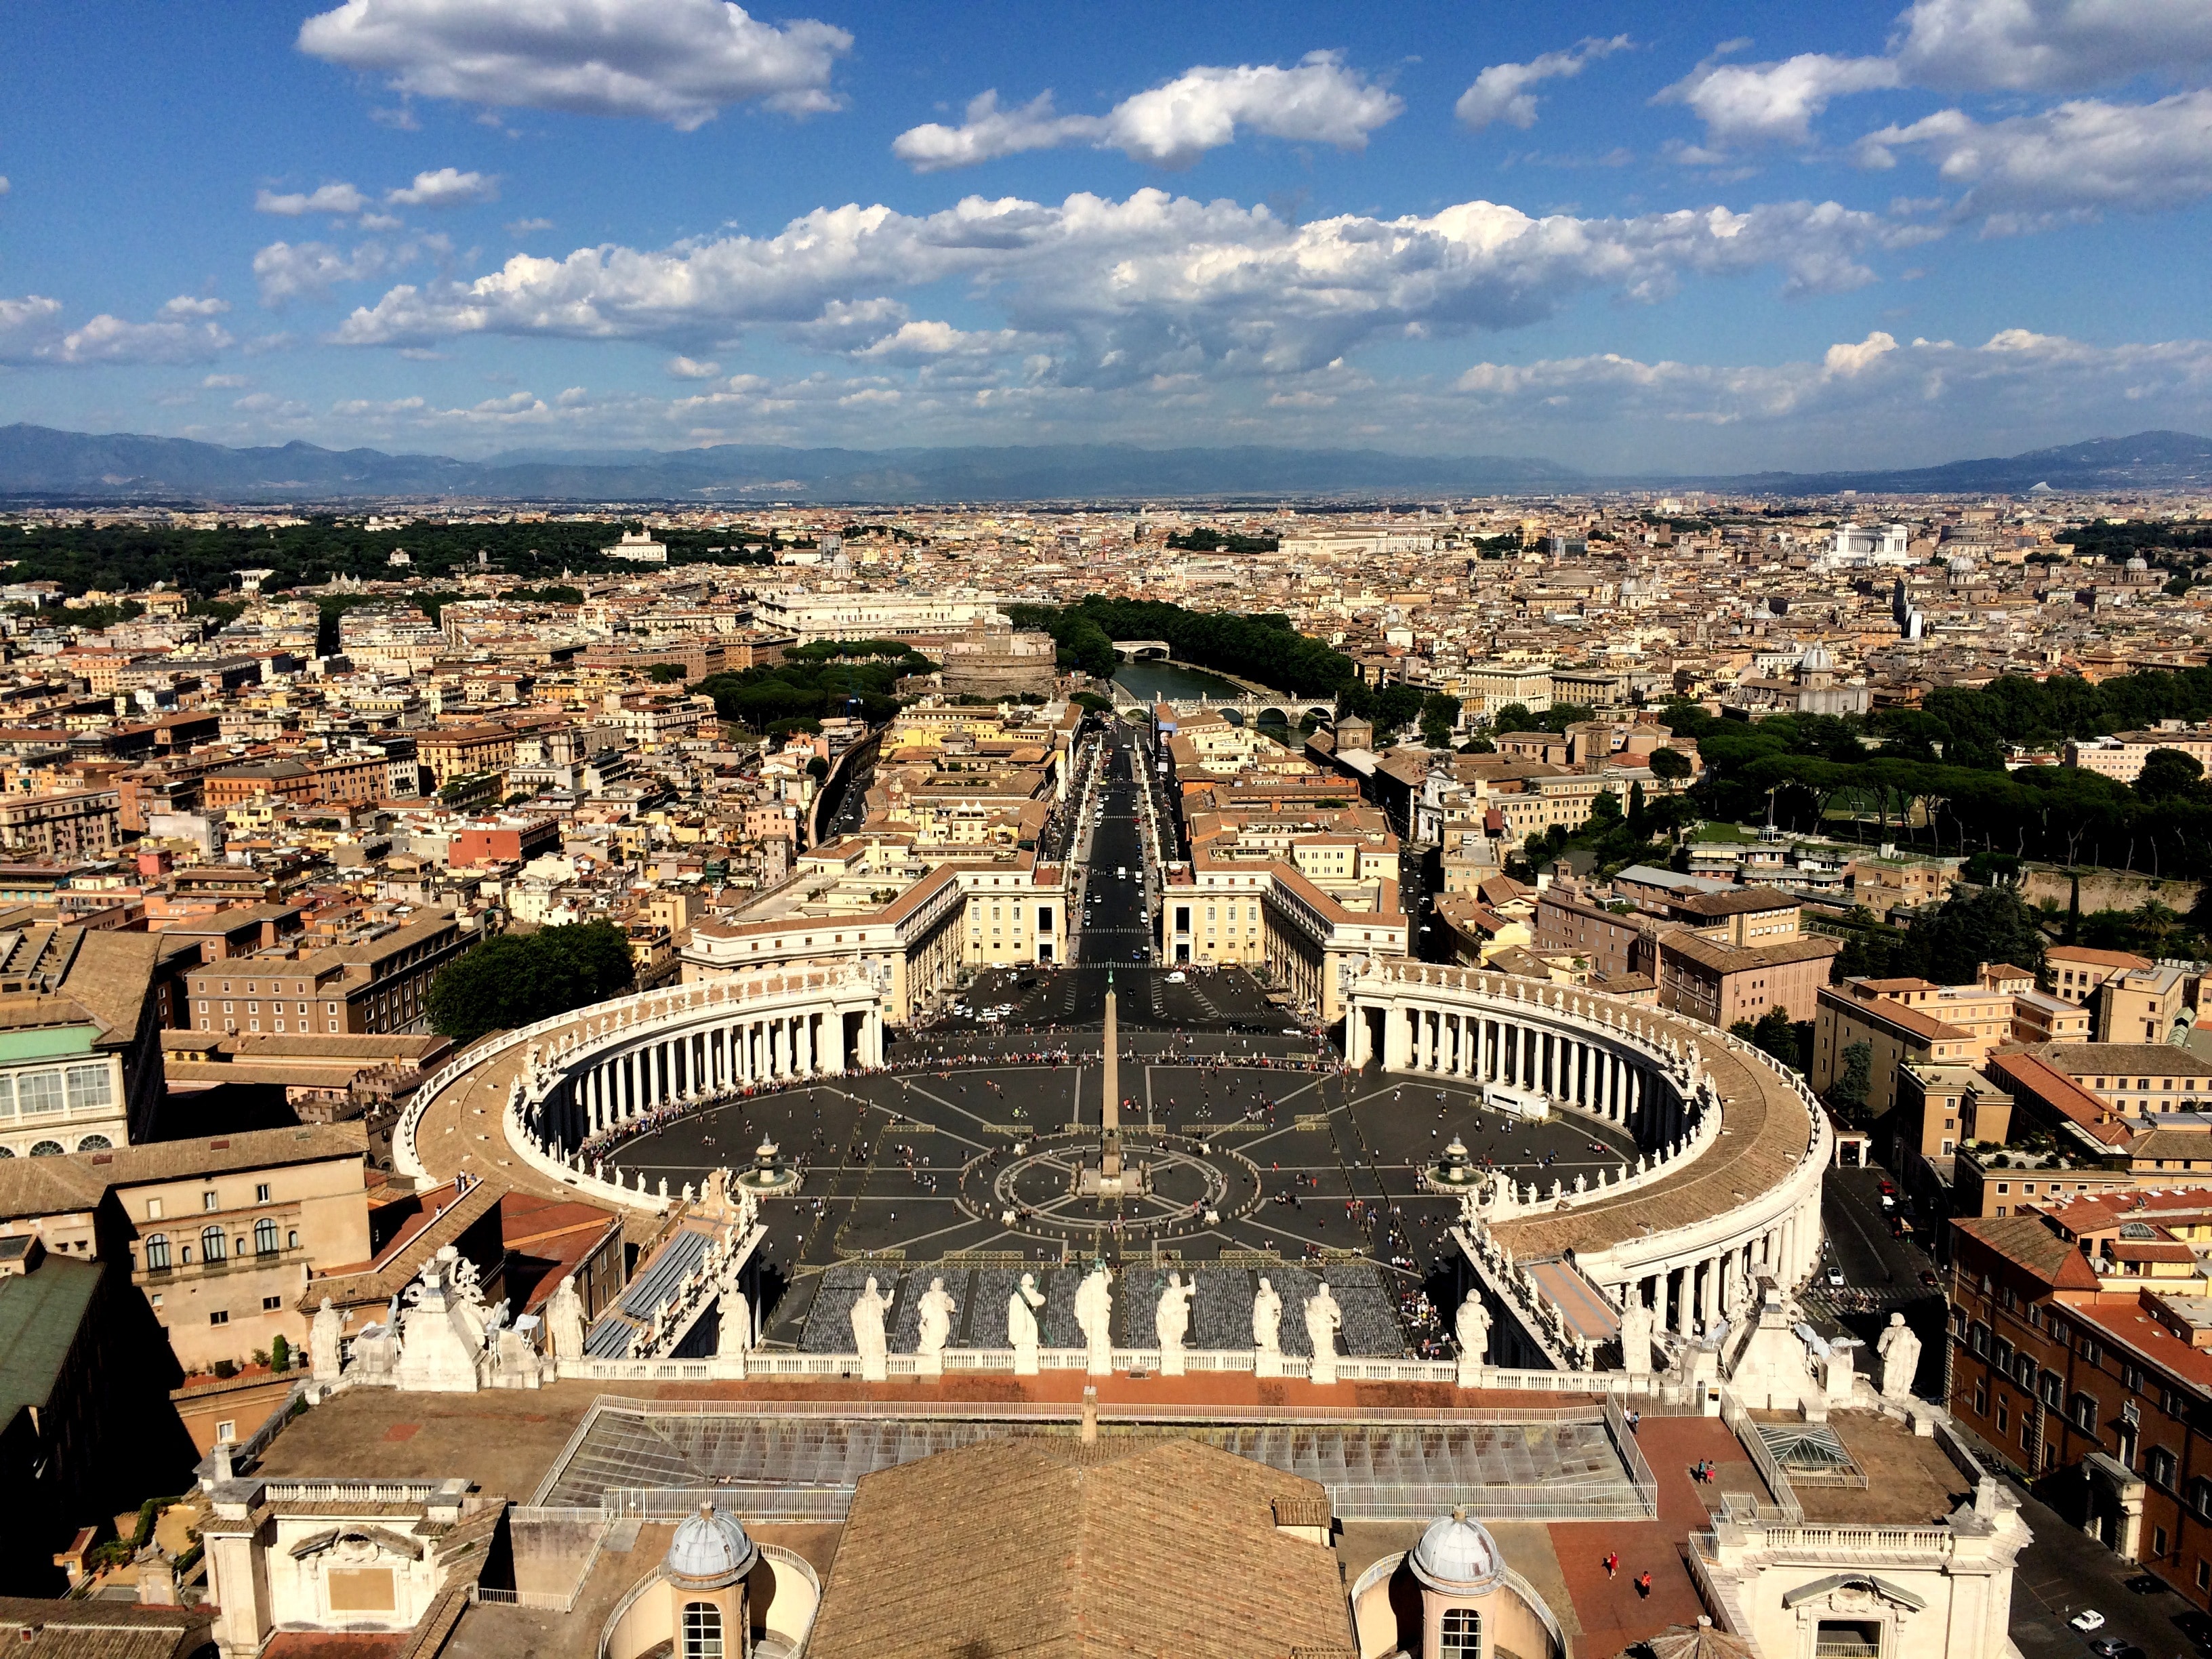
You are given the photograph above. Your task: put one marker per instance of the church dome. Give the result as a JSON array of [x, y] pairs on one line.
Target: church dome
[[1816, 660], [710, 1551], [1457, 1554]]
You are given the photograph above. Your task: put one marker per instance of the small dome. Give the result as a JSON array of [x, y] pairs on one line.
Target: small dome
[[710, 1551], [1458, 1554], [1816, 660]]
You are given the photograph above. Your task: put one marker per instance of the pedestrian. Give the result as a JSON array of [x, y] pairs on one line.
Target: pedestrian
[[1644, 1584], [1612, 1562]]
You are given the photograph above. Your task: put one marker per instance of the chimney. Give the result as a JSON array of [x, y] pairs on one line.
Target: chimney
[[1090, 1433]]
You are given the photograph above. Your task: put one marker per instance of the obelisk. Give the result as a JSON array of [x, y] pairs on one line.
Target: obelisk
[[1109, 1122]]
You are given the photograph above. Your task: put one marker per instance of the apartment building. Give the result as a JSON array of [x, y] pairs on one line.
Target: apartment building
[[378, 980], [2121, 756], [66, 824]]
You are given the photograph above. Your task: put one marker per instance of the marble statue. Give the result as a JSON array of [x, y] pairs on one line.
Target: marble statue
[[1022, 1324], [1267, 1319], [1901, 1358], [1472, 1327], [1735, 1289], [933, 1314], [326, 1342], [1171, 1323], [1636, 1336], [439, 1344], [733, 1325], [868, 1340], [1094, 1317], [1324, 1319]]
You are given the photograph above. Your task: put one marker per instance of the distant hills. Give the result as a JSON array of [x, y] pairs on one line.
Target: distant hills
[[41, 463]]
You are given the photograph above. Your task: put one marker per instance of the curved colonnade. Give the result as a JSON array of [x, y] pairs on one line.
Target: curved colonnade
[[600, 1069], [1735, 1145]]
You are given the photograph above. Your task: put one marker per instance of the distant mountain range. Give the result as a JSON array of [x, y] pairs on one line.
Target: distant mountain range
[[41, 463]]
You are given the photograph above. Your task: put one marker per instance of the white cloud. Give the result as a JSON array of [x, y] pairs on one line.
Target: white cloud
[[1317, 100], [920, 342], [32, 331], [336, 199], [188, 305], [1920, 396], [287, 271], [1154, 284], [2077, 159], [2057, 46], [446, 187], [1501, 91], [224, 382], [689, 368], [677, 61], [1748, 105], [5, 186], [524, 227]]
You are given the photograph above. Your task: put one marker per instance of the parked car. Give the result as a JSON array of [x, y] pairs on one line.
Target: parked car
[[2087, 1619]]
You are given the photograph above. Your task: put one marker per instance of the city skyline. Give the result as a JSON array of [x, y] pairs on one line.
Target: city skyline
[[1624, 239]]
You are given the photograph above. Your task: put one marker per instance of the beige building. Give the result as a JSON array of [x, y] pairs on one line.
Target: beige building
[[377, 981], [220, 1234]]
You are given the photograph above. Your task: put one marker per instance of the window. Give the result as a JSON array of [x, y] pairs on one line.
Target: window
[[2084, 1412], [212, 1245], [2089, 1350], [1462, 1635], [157, 1252], [89, 1088], [2173, 1403], [1979, 1339], [2054, 1388], [261, 1193], [2132, 1377], [265, 1236], [702, 1630], [38, 1093], [271, 1304], [208, 1201], [2159, 1467], [2204, 1575], [292, 1238], [219, 1318]]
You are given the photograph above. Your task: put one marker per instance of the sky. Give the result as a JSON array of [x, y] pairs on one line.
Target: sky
[[1626, 238]]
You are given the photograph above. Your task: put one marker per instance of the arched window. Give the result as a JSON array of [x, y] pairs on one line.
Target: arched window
[[157, 1252], [702, 1630], [47, 1149], [1462, 1635], [265, 1236], [96, 1144], [212, 1247]]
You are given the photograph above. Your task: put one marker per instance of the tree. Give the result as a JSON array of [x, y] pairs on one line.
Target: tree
[[1972, 927], [1848, 1093], [817, 768], [2168, 773], [1514, 717], [519, 978], [1670, 766], [280, 1353]]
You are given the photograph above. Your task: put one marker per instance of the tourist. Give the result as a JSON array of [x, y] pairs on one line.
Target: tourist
[[1612, 1562], [1643, 1583]]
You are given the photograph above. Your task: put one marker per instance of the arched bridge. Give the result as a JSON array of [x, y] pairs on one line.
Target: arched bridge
[[1139, 650], [1249, 708]]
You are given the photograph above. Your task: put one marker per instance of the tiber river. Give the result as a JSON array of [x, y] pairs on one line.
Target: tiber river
[[1170, 679]]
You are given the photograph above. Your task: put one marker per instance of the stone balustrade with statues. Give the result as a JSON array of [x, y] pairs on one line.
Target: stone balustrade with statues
[[1726, 1191]]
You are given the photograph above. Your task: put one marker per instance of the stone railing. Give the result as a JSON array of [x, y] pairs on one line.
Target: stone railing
[[640, 1017], [761, 1362], [1861, 1543]]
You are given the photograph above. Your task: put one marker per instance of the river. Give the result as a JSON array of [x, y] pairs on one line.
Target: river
[[1151, 679]]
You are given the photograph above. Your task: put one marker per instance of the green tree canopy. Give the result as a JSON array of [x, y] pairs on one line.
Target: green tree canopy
[[519, 978]]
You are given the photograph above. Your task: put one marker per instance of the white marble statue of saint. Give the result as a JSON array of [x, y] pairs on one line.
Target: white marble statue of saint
[[1472, 1326], [1324, 1319], [869, 1309], [1171, 1323], [325, 1341], [1267, 1319], [1636, 1336], [564, 1321], [1900, 1357], [1094, 1317], [1022, 1324], [934, 1328]]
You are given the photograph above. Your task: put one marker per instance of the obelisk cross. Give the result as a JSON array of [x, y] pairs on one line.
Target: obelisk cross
[[1109, 1127]]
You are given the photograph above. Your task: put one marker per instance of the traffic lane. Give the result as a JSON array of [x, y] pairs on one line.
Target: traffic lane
[[1858, 1232], [2063, 1571]]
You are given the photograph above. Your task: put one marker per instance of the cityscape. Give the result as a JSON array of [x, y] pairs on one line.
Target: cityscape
[[1186, 896]]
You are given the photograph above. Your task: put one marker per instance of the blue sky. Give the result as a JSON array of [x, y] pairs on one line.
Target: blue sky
[[1627, 237]]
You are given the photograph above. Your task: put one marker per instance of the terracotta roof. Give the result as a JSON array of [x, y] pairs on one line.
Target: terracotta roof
[[1052, 1548], [36, 1629], [2032, 1242]]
